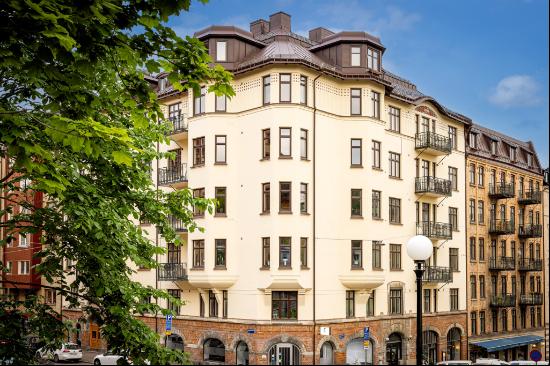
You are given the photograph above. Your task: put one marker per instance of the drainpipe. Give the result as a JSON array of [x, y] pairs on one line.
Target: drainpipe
[[157, 243]]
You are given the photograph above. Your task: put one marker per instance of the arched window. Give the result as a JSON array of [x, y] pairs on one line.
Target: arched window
[[327, 354], [174, 341], [394, 348], [242, 353], [284, 354], [214, 350], [429, 346], [453, 344]]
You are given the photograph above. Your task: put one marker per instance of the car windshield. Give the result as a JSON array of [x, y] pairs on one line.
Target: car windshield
[[72, 346]]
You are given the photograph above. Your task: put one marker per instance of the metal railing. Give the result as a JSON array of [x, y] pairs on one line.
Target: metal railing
[[434, 185], [529, 197], [530, 231], [179, 124], [502, 263], [503, 301], [501, 227], [172, 271], [432, 140], [501, 190], [531, 299], [435, 230], [177, 224], [436, 274], [528, 264], [172, 174]]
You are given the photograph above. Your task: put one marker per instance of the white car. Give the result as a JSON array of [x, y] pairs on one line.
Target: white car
[[67, 352], [490, 361], [108, 358], [455, 362]]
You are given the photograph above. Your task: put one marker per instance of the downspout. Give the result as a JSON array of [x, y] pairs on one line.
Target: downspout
[[157, 241]]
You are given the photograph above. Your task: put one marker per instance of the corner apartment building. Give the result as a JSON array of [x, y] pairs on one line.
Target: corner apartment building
[[325, 164], [505, 254], [546, 246]]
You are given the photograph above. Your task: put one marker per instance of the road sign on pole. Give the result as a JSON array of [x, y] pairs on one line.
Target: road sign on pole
[[366, 337], [535, 355], [168, 324]]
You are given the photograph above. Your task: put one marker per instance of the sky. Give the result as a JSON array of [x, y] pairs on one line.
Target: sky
[[485, 59]]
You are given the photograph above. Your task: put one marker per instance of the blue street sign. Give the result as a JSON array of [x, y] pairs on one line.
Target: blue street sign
[[251, 331], [366, 334], [535, 355], [168, 322], [341, 336]]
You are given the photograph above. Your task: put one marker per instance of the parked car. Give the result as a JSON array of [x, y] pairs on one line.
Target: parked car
[[490, 361], [108, 358], [455, 362], [67, 352]]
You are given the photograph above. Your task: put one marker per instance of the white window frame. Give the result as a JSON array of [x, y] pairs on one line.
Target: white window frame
[[223, 49], [24, 265], [355, 61], [23, 239]]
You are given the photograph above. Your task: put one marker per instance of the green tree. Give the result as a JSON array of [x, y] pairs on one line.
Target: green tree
[[79, 121]]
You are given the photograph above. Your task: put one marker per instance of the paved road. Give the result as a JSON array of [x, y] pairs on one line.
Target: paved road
[[81, 362]]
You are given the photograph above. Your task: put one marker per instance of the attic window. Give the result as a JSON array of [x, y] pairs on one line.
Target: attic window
[[355, 56], [493, 147], [513, 155], [162, 84], [221, 51], [472, 139], [529, 160], [373, 59]]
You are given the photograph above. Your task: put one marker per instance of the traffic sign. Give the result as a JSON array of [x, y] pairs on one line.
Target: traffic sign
[[168, 324], [366, 337], [535, 355]]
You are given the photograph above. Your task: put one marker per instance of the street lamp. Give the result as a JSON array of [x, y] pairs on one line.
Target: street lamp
[[419, 248]]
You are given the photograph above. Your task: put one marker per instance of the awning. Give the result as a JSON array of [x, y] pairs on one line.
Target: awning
[[494, 345]]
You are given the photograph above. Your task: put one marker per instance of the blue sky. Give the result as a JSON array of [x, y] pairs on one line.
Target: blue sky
[[485, 59]]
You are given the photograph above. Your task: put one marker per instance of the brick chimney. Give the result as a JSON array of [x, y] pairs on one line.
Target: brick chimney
[[318, 34], [258, 27], [279, 20]]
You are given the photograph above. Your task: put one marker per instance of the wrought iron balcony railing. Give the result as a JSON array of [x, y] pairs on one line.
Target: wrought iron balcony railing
[[530, 197], [434, 230], [172, 271], [432, 185], [179, 124], [501, 190], [172, 174], [433, 141], [502, 263], [530, 231], [503, 300], [528, 264], [501, 227], [177, 224], [435, 274], [531, 299]]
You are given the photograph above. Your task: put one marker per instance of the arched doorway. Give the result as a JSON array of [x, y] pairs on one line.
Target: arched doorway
[[453, 344], [327, 354], [355, 353], [214, 350], [174, 341], [394, 349], [429, 346], [284, 354], [242, 353]]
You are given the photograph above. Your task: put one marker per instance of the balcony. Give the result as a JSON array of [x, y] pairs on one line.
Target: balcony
[[172, 271], [501, 227], [431, 186], [531, 299], [501, 190], [434, 274], [502, 264], [529, 197], [433, 143], [503, 301], [528, 264], [179, 124], [530, 231], [172, 174], [177, 224], [434, 230]]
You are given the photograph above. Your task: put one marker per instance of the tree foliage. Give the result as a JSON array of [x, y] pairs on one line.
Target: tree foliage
[[78, 120]]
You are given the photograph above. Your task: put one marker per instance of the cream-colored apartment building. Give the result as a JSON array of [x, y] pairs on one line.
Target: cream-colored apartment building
[[325, 164]]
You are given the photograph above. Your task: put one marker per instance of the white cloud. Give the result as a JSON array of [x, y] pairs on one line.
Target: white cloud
[[516, 91]]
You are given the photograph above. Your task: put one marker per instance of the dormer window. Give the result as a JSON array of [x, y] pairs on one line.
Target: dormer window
[[373, 59], [221, 51], [162, 84], [356, 56], [493, 147], [472, 140], [513, 155], [529, 160]]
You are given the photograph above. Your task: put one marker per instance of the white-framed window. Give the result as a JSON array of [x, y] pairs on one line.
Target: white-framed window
[[356, 56], [49, 296], [24, 267], [221, 51], [9, 266], [23, 240]]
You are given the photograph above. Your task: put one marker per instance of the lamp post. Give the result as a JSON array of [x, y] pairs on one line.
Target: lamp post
[[419, 248]]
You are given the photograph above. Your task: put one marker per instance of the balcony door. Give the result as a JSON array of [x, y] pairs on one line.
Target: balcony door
[[175, 163], [174, 253]]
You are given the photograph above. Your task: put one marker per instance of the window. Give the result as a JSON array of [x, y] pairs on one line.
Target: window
[[212, 304], [174, 253], [480, 176], [8, 267], [480, 212], [481, 287], [529, 160], [522, 318], [396, 298], [50, 296], [532, 316], [200, 100], [539, 317], [435, 300], [395, 256], [265, 197], [303, 252], [453, 218], [284, 305], [285, 194], [224, 303], [494, 318], [454, 299], [453, 259], [221, 199], [453, 177], [284, 88], [481, 244], [473, 287], [427, 300], [23, 240], [370, 304], [266, 80], [350, 304], [285, 255], [473, 248], [24, 267], [376, 154], [172, 305], [493, 147], [221, 51], [221, 149], [373, 59], [376, 204], [395, 210], [355, 56], [395, 119], [395, 165], [356, 152], [198, 151], [472, 140], [513, 154], [221, 252], [375, 99], [376, 255], [514, 320], [266, 253], [472, 174], [198, 193], [472, 210], [221, 103], [303, 144], [285, 144], [453, 136], [481, 322], [356, 254], [356, 202], [198, 253], [355, 102], [201, 306], [303, 89], [266, 144], [303, 197]]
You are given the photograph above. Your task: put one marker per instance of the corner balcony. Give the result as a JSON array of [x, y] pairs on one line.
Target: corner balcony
[[502, 264], [530, 231], [501, 190], [177, 224], [503, 301], [172, 175], [530, 197], [434, 230], [433, 187], [528, 264], [172, 272], [433, 143], [501, 227], [531, 299], [179, 127], [435, 274]]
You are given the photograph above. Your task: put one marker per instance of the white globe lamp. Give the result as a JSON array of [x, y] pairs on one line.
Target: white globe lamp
[[419, 248]]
